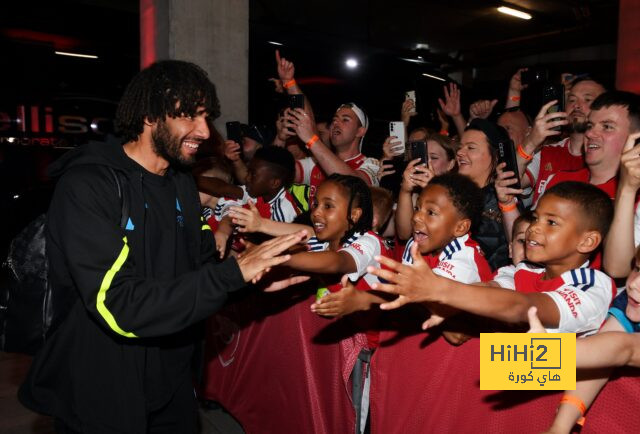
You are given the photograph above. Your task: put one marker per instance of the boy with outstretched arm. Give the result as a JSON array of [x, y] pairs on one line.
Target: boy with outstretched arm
[[570, 222]]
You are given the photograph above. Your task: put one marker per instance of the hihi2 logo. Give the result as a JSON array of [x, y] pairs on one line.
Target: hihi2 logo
[[527, 361]]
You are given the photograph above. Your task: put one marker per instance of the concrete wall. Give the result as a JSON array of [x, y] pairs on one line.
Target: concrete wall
[[211, 33]]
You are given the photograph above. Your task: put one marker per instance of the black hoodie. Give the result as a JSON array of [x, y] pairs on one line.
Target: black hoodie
[[127, 342]]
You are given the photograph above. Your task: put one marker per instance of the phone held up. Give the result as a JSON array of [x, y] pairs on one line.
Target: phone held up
[[296, 101], [411, 94], [550, 92], [418, 149], [396, 129], [507, 154]]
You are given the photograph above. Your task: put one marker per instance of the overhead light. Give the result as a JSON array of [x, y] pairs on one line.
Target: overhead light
[[418, 60], [433, 76], [422, 46], [351, 63], [274, 43], [67, 53], [514, 13]]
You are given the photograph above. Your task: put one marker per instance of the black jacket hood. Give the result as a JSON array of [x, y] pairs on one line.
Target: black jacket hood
[[107, 153]]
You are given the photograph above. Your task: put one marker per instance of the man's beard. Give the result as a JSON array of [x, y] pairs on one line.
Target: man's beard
[[578, 126], [168, 147]]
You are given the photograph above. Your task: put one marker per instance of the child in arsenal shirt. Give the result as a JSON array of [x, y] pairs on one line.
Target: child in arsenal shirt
[[570, 222], [441, 222]]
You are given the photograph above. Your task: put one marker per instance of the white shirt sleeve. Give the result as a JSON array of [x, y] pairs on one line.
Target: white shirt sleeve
[[533, 168], [225, 203], [306, 166], [506, 277], [461, 267], [583, 310], [370, 167], [363, 251]]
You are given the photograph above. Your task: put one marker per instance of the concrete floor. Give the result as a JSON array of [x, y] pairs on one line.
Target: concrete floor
[[15, 419]]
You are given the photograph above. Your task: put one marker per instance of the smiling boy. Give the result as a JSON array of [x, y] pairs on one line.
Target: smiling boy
[[569, 224]]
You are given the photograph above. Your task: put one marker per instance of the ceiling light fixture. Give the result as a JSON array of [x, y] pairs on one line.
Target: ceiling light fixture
[[274, 43], [514, 13], [351, 63], [84, 56], [433, 76], [418, 60]]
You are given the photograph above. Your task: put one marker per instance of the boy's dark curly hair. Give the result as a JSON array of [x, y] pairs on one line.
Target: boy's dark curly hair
[[280, 161], [595, 205], [167, 88], [465, 194], [359, 197]]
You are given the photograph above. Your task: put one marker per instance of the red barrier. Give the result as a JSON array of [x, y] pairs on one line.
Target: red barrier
[[279, 368], [422, 384]]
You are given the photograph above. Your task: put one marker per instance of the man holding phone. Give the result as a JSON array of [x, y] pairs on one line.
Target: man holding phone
[[539, 163], [348, 127]]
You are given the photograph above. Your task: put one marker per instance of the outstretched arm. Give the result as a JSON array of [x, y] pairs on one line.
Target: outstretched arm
[[327, 262], [249, 220], [418, 283], [619, 245]]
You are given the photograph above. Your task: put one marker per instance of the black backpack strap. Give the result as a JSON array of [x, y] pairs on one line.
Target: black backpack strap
[[123, 195]]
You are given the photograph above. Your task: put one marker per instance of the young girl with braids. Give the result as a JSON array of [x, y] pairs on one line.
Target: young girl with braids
[[341, 248], [341, 243]]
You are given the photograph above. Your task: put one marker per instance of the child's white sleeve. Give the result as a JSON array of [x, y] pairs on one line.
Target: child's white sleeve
[[370, 167], [306, 167], [583, 306], [461, 267], [363, 250], [506, 277], [225, 203]]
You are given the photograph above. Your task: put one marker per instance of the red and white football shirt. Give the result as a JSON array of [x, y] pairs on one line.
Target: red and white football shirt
[[461, 260], [582, 295], [551, 159]]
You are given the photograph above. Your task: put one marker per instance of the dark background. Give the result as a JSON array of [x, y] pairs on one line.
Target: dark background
[[468, 42]]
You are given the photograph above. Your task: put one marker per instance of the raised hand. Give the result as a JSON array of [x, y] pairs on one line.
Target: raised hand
[[481, 109], [258, 259], [232, 150], [407, 111], [301, 122], [385, 169], [504, 180], [286, 70], [630, 163], [391, 147], [340, 303], [451, 104], [413, 283], [416, 175], [248, 220], [543, 127], [515, 84]]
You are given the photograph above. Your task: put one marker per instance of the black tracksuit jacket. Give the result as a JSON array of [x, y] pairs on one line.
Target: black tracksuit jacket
[[127, 342]]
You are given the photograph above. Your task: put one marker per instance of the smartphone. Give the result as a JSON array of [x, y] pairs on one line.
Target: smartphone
[[551, 92], [397, 129], [296, 101], [418, 149], [507, 154], [411, 94], [234, 132]]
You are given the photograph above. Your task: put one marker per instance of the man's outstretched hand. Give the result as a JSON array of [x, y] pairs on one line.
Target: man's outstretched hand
[[258, 260]]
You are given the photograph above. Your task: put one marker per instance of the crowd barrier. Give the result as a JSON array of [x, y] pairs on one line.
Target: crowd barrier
[[279, 368]]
